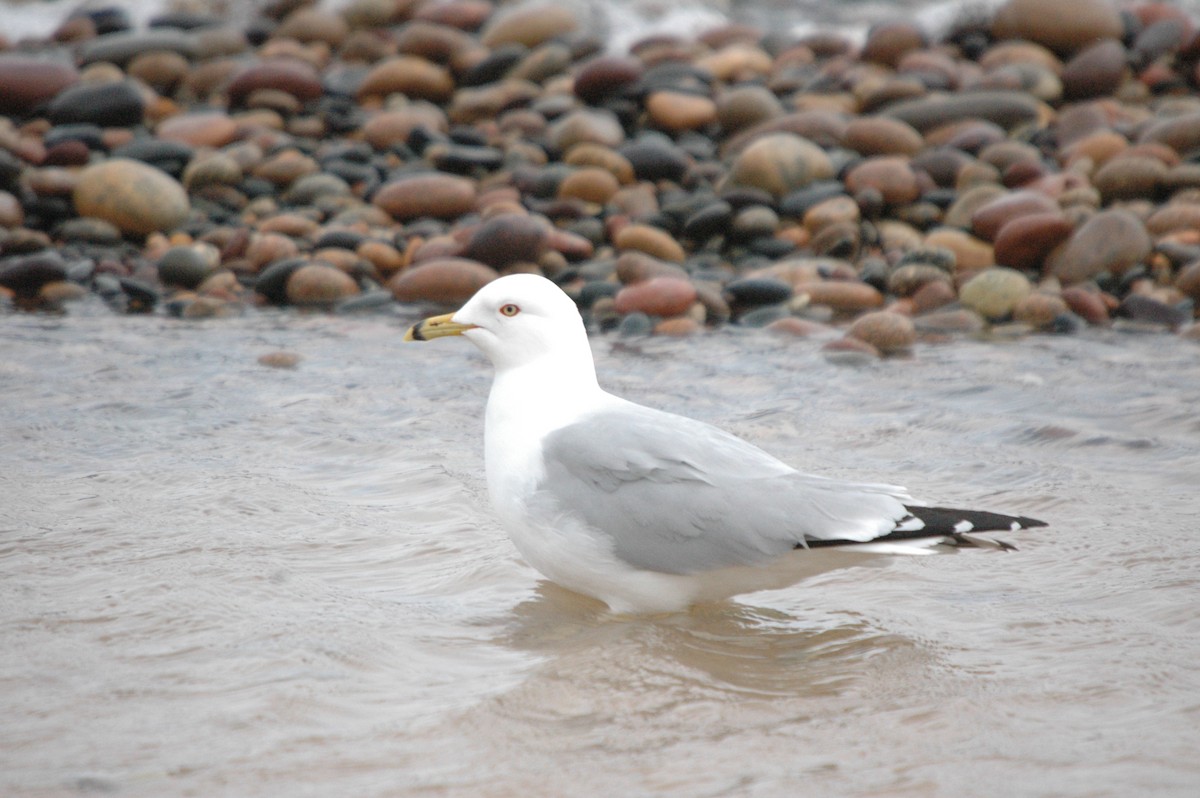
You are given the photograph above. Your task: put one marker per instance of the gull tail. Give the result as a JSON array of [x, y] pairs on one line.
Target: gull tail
[[947, 525], [962, 526]]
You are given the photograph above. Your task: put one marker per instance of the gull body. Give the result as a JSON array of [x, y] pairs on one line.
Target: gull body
[[646, 510]]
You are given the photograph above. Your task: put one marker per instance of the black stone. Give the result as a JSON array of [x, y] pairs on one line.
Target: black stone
[[106, 105]]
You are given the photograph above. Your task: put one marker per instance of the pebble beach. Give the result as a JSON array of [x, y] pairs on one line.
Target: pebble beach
[[1023, 173]]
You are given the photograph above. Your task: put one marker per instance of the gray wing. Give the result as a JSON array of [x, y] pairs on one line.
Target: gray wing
[[678, 496]]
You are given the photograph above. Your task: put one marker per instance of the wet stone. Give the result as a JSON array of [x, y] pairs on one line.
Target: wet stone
[[653, 159], [1065, 26], [508, 239], [889, 333], [137, 198], [435, 195], [30, 82], [660, 296], [184, 267], [780, 164], [753, 292], [105, 104], [1004, 108], [26, 275], [995, 293], [447, 281], [319, 284], [1148, 310], [1110, 242]]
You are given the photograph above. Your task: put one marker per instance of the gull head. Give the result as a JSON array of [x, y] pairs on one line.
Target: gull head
[[515, 320]]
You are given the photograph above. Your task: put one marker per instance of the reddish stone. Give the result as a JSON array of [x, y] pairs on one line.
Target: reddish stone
[[437, 195], [660, 296], [30, 82], [987, 220], [289, 75], [448, 281], [1024, 242]]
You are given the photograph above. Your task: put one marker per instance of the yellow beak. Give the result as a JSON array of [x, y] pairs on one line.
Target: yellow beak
[[436, 327]]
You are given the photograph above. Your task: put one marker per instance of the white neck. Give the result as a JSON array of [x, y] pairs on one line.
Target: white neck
[[526, 403]]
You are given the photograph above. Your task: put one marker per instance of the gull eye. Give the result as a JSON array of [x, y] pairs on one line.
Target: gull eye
[[509, 310]]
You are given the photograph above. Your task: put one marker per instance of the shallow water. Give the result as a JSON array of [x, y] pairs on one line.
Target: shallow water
[[218, 578]]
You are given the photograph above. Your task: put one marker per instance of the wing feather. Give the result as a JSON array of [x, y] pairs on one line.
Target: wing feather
[[678, 496]]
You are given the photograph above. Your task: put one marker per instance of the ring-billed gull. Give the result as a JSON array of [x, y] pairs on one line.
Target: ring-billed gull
[[650, 511]]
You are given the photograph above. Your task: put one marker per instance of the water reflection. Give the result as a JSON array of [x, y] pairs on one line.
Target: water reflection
[[729, 646]]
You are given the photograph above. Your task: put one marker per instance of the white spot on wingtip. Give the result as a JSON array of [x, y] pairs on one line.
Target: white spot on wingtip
[[963, 527]]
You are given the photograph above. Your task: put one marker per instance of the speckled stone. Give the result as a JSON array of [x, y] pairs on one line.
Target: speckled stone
[[890, 333], [994, 293], [137, 198], [1111, 242], [779, 164]]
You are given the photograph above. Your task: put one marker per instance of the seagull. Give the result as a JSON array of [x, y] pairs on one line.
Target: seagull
[[652, 512]]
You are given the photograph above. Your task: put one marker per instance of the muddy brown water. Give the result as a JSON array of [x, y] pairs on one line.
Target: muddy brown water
[[218, 578]]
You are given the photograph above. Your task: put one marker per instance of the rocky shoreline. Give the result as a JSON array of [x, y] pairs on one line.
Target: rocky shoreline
[[1032, 172]]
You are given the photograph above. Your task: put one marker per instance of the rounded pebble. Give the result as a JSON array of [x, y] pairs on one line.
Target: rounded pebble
[[137, 198], [994, 293], [890, 333]]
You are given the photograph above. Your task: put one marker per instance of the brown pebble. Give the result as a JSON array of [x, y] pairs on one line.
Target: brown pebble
[[1024, 242], [970, 253], [266, 248], [658, 296], [678, 111], [636, 266], [740, 107], [604, 76], [447, 281], [1129, 176], [959, 320], [878, 135], [910, 278], [529, 24], [1111, 241], [590, 184], [409, 75], [994, 293], [291, 75], [890, 175], [438, 195], [1065, 26], [678, 326], [1096, 71], [387, 128], [1087, 304], [801, 328], [888, 332], [280, 360], [1039, 309], [779, 164], [932, 296], [843, 296], [507, 239], [30, 82], [654, 241], [888, 42], [386, 259], [1188, 281], [850, 350], [319, 284], [988, 218], [134, 196]]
